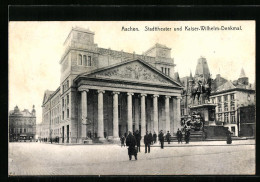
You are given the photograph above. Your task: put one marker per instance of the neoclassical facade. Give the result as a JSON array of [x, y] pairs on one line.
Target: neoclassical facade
[[106, 93]]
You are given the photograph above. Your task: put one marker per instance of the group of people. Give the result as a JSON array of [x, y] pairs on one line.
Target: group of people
[[133, 141]]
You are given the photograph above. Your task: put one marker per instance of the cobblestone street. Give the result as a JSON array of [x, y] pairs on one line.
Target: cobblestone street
[[203, 158]]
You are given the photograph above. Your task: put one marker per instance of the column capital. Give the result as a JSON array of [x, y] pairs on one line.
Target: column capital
[[130, 93], [83, 88], [179, 97], [143, 95], [100, 91], [115, 93], [167, 96], [155, 95]]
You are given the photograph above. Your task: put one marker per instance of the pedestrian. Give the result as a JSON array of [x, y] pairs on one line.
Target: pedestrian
[[161, 139], [138, 140], [229, 139], [122, 139], [168, 137], [151, 138], [179, 136], [187, 136], [131, 143], [147, 142], [154, 137]]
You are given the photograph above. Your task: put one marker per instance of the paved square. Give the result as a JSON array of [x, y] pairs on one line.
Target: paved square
[[202, 158]]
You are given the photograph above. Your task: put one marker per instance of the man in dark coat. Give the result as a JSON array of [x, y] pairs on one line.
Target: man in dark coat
[[187, 136], [131, 143], [147, 142], [168, 137], [138, 139], [179, 136], [154, 137], [161, 138]]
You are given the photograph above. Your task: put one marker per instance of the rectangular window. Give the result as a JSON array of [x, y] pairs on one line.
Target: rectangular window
[[169, 71], [219, 117], [24, 130], [219, 108], [219, 99], [165, 69], [232, 96], [63, 115], [21, 130], [226, 117], [62, 102], [233, 118], [162, 69], [68, 111], [226, 106], [67, 84], [225, 98], [232, 104]]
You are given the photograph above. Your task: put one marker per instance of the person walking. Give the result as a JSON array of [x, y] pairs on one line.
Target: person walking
[[187, 136], [229, 139], [179, 136], [161, 139], [154, 137], [151, 137], [122, 139], [138, 140], [168, 137], [131, 143], [147, 142]]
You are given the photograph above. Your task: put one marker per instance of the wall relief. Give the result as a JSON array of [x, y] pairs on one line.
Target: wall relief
[[134, 71]]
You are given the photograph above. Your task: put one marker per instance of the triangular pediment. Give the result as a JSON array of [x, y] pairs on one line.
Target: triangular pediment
[[134, 71]]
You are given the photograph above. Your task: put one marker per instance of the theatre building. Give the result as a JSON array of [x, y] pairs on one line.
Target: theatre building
[[105, 93]]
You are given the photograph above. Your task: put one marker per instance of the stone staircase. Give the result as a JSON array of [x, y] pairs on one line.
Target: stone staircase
[[194, 136]]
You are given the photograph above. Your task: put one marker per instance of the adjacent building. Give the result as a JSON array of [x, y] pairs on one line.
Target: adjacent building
[[22, 125], [229, 97], [104, 93]]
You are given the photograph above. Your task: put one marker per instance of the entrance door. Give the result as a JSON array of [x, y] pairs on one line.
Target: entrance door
[[68, 131], [63, 134], [233, 130]]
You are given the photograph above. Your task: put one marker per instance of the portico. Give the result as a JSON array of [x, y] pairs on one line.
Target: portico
[[128, 96]]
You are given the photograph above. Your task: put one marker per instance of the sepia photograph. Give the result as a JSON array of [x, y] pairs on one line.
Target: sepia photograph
[[131, 98]]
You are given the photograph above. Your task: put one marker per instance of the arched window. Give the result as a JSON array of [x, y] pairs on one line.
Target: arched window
[[85, 60], [80, 59]]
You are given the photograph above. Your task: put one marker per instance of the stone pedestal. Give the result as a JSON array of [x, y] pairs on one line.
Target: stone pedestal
[[207, 112]]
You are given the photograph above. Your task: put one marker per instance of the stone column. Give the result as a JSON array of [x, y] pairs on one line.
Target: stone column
[[155, 113], [84, 114], [100, 115], [143, 118], [167, 114], [129, 111], [177, 113], [82, 128], [136, 114], [115, 116]]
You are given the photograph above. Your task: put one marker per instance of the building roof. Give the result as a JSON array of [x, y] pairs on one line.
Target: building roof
[[229, 86], [17, 112], [47, 95]]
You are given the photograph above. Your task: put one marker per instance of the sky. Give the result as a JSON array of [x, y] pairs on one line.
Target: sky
[[35, 49]]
